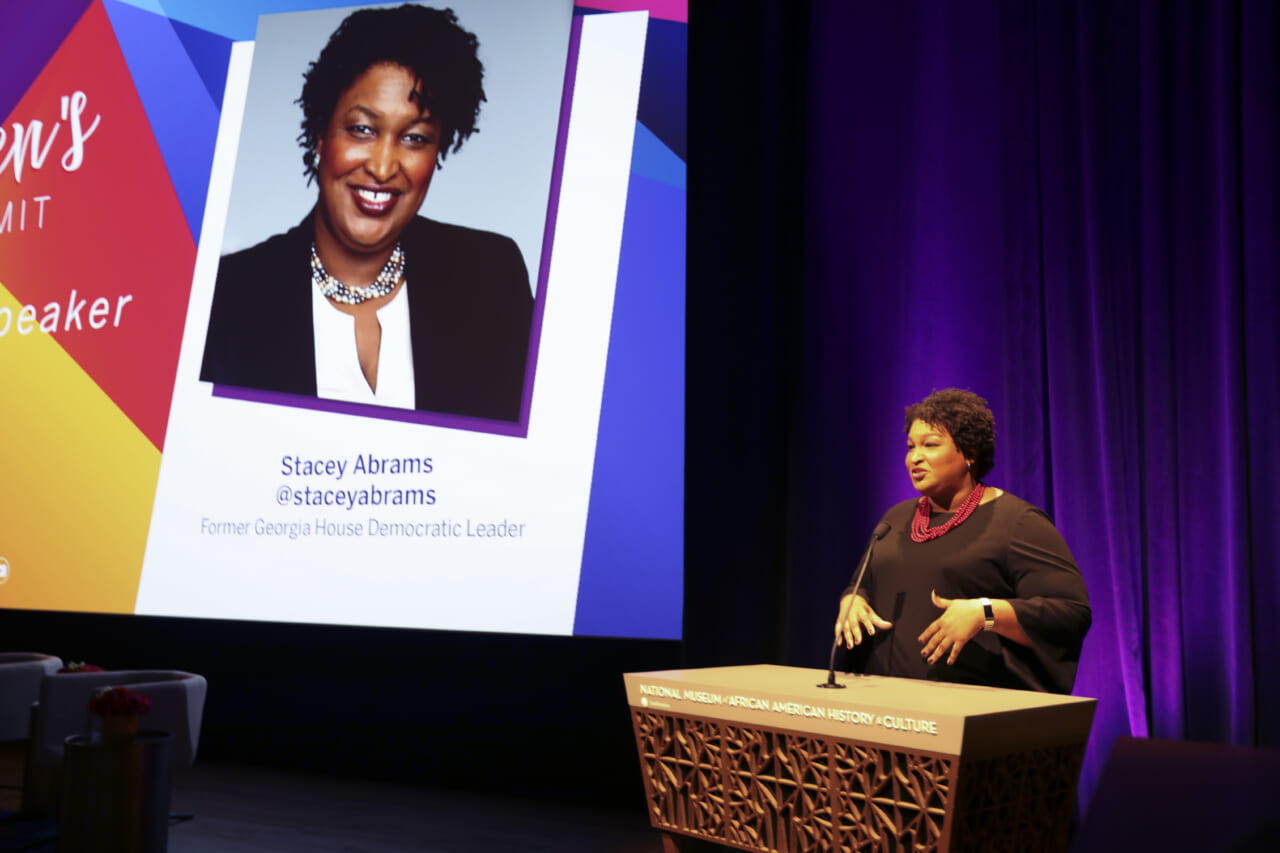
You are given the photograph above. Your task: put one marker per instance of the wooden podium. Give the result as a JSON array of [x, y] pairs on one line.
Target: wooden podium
[[761, 758]]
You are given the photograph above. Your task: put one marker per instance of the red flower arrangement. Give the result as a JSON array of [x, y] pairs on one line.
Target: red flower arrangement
[[80, 666], [119, 702]]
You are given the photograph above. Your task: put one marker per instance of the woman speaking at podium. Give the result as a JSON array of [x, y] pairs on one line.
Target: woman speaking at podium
[[970, 584]]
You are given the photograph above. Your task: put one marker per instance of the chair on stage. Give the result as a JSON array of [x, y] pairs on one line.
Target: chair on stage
[[177, 707], [20, 677]]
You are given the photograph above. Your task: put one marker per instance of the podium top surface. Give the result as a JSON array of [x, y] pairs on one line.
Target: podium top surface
[[923, 715]]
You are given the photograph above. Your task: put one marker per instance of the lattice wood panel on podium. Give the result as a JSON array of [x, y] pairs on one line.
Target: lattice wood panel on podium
[[761, 758]]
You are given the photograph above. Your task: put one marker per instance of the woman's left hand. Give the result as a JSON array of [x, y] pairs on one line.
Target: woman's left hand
[[960, 622]]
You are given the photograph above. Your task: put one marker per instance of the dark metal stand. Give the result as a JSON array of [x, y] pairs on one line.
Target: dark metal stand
[[115, 796]]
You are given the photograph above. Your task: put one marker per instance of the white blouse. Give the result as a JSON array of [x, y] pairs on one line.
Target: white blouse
[[338, 373]]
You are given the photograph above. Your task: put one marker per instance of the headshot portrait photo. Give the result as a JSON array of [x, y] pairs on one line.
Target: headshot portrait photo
[[385, 225]]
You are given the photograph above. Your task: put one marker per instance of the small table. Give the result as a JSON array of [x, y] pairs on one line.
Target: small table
[[115, 794]]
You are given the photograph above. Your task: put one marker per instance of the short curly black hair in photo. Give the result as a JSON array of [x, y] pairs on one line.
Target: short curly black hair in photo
[[443, 57], [967, 418]]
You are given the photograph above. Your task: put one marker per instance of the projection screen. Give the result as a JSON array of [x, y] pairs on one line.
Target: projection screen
[[151, 162]]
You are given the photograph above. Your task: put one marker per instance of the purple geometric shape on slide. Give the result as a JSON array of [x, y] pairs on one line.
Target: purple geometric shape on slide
[[176, 98], [664, 81], [632, 578], [553, 207], [31, 35], [664, 89], [409, 416], [210, 55]]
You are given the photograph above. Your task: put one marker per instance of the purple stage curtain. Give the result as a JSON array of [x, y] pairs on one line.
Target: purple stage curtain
[[1072, 209]]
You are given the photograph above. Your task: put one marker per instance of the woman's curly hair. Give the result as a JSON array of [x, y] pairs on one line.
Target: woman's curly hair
[[967, 418], [442, 56]]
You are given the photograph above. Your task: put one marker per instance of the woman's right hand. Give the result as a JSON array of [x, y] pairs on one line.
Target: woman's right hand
[[855, 617]]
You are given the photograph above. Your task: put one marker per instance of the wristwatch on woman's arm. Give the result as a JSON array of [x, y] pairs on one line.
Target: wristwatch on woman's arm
[[988, 614]]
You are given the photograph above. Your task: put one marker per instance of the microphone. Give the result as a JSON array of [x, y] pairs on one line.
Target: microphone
[[879, 533]]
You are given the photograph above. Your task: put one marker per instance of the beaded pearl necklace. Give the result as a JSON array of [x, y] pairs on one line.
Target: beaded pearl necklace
[[339, 292], [922, 532]]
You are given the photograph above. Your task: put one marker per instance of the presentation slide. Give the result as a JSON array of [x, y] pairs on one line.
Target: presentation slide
[[202, 418]]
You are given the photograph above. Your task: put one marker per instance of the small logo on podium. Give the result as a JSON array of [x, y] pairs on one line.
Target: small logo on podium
[[4, 570]]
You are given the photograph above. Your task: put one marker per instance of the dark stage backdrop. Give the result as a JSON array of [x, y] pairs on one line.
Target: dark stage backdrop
[[1070, 208]]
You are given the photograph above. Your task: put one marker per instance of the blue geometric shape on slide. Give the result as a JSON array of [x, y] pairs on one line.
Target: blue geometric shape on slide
[[183, 117], [152, 6], [30, 36], [664, 84], [210, 56], [652, 159], [632, 579], [233, 19]]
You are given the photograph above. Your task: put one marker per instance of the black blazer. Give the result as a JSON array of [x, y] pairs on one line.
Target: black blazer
[[470, 312]]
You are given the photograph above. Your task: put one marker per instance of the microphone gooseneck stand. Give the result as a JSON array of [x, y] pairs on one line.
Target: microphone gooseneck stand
[[881, 529]]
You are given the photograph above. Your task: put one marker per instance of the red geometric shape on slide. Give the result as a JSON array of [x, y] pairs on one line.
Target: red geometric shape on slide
[[112, 228]]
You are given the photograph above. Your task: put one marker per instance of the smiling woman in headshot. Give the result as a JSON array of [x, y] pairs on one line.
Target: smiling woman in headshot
[[366, 301], [970, 584]]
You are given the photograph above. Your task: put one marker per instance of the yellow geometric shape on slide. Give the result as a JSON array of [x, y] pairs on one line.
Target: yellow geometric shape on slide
[[78, 482]]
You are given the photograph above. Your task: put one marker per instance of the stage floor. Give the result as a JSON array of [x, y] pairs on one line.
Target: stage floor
[[242, 809]]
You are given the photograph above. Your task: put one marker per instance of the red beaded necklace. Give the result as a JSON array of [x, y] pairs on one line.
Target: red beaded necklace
[[920, 530]]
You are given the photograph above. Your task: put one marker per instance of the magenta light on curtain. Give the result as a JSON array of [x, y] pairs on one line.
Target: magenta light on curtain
[[1073, 209]]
